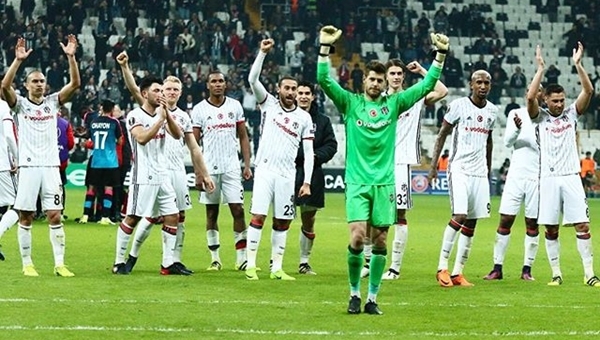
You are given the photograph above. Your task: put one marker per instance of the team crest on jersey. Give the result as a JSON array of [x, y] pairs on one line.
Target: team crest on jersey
[[385, 110], [220, 116], [230, 114], [295, 125], [373, 113], [391, 197], [132, 120], [480, 118], [46, 109], [404, 187]]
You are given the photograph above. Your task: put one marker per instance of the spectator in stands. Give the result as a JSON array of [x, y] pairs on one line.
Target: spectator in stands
[[295, 59], [357, 75], [499, 78], [552, 75], [517, 83], [344, 73], [552, 10], [27, 8], [350, 36], [511, 106], [480, 64], [440, 20], [587, 164], [453, 71], [392, 23], [442, 164], [497, 59], [482, 45], [423, 26]]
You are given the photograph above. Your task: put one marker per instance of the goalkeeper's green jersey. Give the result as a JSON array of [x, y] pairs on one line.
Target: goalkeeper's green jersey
[[371, 125]]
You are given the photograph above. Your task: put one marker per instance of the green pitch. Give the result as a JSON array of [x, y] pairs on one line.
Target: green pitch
[[224, 305]]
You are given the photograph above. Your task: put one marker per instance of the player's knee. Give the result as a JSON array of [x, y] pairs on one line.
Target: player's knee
[[460, 219], [531, 225], [583, 227], [257, 221], [551, 233], [212, 212], [53, 216], [506, 221], [281, 225]]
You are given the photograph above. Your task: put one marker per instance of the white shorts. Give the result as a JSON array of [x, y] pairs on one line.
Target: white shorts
[[182, 192], [402, 175], [517, 190], [148, 200], [469, 195], [8, 188], [42, 181], [228, 189], [270, 187], [562, 194]]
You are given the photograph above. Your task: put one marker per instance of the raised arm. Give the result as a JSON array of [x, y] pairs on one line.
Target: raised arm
[[253, 77], [533, 107], [123, 59], [445, 130], [414, 93], [587, 90], [327, 37], [74, 83], [439, 91], [20, 55]]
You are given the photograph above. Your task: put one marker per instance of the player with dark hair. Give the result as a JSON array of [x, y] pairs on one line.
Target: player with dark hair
[[105, 137], [560, 184], [370, 122], [325, 146], [285, 127], [219, 123]]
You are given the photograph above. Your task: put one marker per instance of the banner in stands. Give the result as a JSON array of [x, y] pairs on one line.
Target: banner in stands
[[334, 180]]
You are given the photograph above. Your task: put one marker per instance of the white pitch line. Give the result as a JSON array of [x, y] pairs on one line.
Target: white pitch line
[[283, 303], [84, 328]]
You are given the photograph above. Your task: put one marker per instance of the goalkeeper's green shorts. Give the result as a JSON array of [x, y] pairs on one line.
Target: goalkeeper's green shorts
[[375, 204]]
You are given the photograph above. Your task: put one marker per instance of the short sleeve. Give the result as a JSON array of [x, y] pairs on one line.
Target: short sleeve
[[133, 120], [186, 124], [239, 115], [452, 116], [309, 128], [196, 117]]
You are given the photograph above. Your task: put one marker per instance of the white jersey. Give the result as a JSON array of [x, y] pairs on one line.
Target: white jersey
[[37, 131], [282, 134], [525, 159], [175, 148], [5, 156], [408, 132], [472, 126], [558, 144], [219, 133], [148, 165]]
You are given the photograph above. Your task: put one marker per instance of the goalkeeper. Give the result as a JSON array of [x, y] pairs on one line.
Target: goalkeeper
[[370, 120]]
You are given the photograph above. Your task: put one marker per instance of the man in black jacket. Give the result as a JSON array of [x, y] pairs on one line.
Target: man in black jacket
[[325, 147]]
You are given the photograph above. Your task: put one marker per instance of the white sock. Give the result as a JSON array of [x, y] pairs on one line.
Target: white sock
[[240, 240], [254, 235], [532, 243], [9, 219], [57, 239], [462, 253], [553, 253], [24, 236], [400, 239], [169, 236], [306, 243], [584, 245], [212, 238], [500, 245], [278, 241], [447, 245], [142, 231], [122, 242], [368, 250], [179, 237]]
